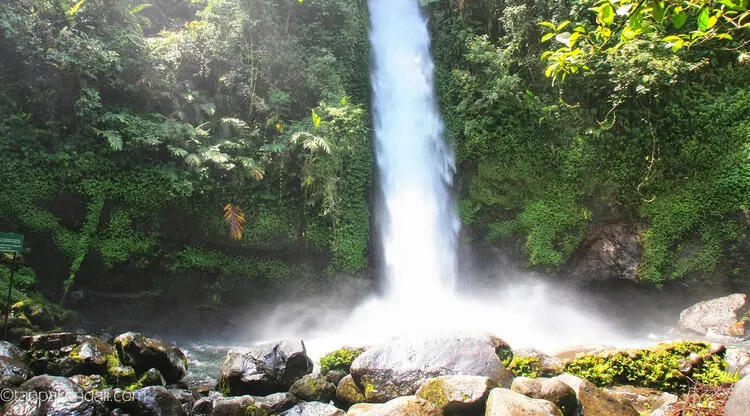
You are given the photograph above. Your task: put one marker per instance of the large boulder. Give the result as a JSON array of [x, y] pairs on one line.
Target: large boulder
[[264, 369], [144, 353], [457, 393], [348, 393], [716, 317], [313, 409], [504, 402], [594, 401], [91, 355], [153, 401], [63, 398], [13, 367], [609, 251], [399, 366], [400, 406], [313, 388], [739, 401], [552, 390]]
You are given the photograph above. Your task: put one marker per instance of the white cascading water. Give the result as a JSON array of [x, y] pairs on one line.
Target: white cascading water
[[417, 223], [418, 226]]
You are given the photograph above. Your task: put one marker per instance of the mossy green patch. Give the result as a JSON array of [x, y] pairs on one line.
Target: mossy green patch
[[657, 368], [340, 359], [434, 392], [525, 366]]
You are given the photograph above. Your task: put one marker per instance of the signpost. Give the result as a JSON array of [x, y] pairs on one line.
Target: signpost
[[10, 243]]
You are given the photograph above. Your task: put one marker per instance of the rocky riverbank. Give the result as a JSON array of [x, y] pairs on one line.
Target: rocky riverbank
[[420, 374]]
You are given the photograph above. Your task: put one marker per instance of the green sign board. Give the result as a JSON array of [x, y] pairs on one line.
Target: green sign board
[[11, 243]]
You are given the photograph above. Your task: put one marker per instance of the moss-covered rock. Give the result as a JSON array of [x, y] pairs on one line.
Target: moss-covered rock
[[461, 394], [532, 363], [121, 375], [340, 359], [152, 377], [143, 353], [348, 393], [313, 388]]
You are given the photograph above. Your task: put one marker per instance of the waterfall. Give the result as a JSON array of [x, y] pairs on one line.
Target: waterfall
[[417, 225]]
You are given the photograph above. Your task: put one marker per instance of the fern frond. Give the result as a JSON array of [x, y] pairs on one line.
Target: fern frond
[[235, 219], [193, 160], [139, 8], [177, 151]]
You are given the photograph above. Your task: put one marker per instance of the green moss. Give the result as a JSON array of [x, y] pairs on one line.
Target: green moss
[[253, 410], [223, 388], [656, 368], [434, 392], [340, 359], [368, 389], [525, 367]]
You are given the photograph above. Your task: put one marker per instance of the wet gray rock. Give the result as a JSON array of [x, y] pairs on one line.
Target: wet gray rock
[[52, 341], [594, 401], [504, 402], [717, 317], [89, 382], [739, 401], [334, 376], [313, 409], [144, 353], [313, 388], [264, 369], [154, 401], [399, 366], [457, 393], [67, 399], [217, 405], [13, 368], [548, 389], [609, 251]]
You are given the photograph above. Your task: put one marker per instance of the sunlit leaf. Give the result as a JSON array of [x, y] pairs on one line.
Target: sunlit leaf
[[703, 17], [679, 18], [235, 220]]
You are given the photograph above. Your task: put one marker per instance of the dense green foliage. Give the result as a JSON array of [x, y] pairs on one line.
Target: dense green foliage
[[648, 137], [124, 130]]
